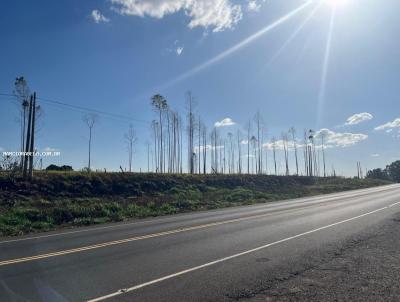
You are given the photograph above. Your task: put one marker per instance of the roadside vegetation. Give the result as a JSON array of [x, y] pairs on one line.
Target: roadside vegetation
[[68, 199]]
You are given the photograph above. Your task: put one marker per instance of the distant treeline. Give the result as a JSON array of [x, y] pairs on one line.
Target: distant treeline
[[59, 168], [391, 172]]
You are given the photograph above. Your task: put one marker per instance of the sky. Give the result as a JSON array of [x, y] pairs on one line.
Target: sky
[[331, 66]]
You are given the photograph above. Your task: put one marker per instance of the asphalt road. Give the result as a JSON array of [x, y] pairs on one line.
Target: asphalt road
[[216, 255]]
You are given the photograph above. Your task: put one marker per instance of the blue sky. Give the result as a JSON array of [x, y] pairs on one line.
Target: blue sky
[[113, 55]]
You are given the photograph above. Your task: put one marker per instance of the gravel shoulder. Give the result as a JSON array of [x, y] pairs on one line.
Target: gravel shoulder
[[363, 268]]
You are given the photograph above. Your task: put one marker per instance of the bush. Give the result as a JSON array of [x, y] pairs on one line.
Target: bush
[[59, 168]]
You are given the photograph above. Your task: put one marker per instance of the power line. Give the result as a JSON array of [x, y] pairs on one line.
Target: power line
[[83, 109]]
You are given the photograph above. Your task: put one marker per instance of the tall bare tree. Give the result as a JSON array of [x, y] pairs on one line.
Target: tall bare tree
[[130, 138], [155, 128], [253, 141], [231, 154], [90, 120], [248, 129], [273, 143], [305, 154], [259, 124], [191, 130], [311, 154], [292, 131], [160, 105], [214, 151], [148, 147], [204, 149], [286, 151], [239, 146], [322, 135], [199, 144]]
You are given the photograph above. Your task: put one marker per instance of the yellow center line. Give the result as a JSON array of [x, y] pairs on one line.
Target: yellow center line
[[142, 237], [165, 233]]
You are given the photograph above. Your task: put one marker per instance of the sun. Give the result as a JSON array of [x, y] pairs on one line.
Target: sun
[[335, 3]]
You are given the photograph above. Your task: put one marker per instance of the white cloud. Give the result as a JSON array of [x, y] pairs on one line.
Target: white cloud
[[389, 125], [218, 15], [198, 149], [176, 48], [253, 6], [179, 50], [336, 139], [279, 145], [375, 155], [359, 118], [331, 140], [98, 17], [225, 122]]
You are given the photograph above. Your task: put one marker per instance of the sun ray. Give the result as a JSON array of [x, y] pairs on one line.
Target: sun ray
[[238, 46], [325, 67], [336, 3], [293, 36]]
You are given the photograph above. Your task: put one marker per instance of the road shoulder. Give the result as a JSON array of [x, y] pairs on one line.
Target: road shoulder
[[363, 268]]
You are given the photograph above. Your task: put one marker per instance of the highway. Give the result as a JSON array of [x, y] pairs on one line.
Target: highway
[[202, 256]]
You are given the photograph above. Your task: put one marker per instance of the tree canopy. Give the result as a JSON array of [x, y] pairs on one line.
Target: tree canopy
[[391, 172]]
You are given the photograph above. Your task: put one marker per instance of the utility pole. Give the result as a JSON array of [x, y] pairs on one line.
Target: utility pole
[[28, 140], [359, 171], [32, 146]]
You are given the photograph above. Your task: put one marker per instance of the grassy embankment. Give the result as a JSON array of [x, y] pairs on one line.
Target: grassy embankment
[[55, 200]]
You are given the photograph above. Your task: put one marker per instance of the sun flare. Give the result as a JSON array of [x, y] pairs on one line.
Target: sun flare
[[336, 3]]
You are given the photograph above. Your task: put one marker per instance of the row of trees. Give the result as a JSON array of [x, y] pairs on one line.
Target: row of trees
[[215, 151], [391, 172], [183, 143]]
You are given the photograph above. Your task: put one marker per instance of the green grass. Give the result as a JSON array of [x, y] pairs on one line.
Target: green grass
[[57, 199]]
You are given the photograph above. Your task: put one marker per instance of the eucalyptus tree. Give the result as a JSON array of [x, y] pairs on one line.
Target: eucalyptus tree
[[148, 150], [130, 138], [292, 131], [204, 129], [160, 105], [273, 144], [286, 151], [305, 154], [322, 136], [259, 124], [248, 129], [191, 129], [155, 128], [90, 120], [239, 146], [311, 153], [22, 92], [216, 155], [253, 141], [231, 154]]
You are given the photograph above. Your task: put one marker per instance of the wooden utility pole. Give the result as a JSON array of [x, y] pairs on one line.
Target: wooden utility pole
[[28, 140], [32, 145]]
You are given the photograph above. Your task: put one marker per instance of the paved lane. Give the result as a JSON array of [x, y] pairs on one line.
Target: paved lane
[[201, 256]]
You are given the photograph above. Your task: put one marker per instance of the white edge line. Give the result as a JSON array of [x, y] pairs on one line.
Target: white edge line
[[126, 290], [329, 197]]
